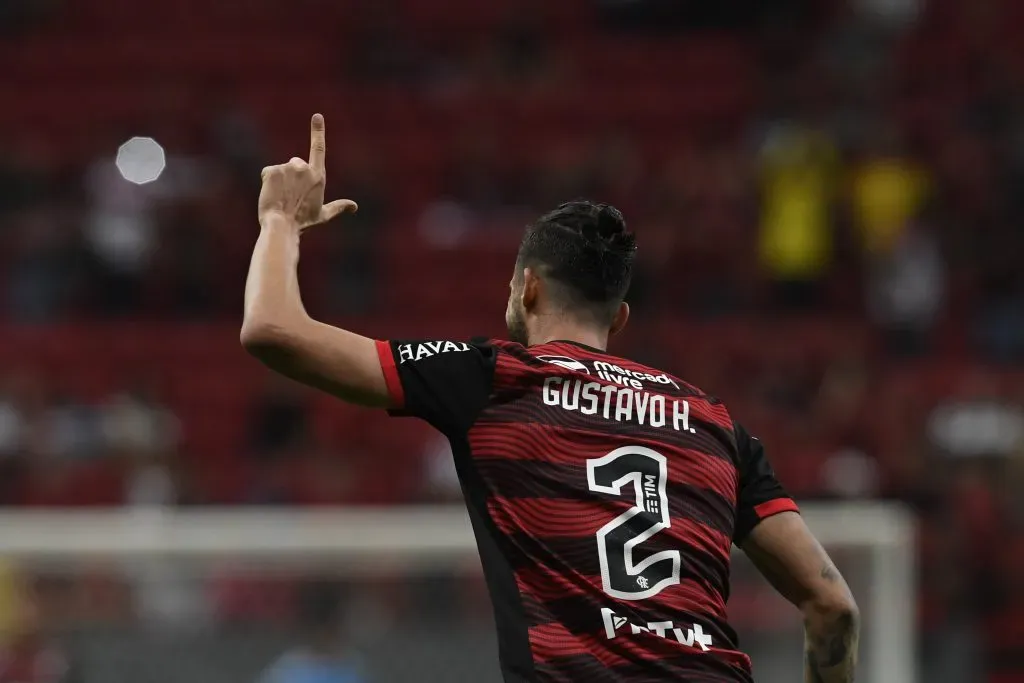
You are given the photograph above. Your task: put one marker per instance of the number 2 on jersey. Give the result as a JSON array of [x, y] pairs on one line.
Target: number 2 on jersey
[[647, 470]]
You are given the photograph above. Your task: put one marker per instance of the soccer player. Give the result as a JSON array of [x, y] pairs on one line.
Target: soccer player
[[605, 495]]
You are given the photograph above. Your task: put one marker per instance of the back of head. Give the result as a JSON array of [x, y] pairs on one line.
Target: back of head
[[585, 253]]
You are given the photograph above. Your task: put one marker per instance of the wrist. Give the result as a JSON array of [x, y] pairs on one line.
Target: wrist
[[278, 221]]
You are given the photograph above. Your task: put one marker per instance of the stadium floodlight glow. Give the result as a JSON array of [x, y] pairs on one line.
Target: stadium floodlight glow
[[141, 160]]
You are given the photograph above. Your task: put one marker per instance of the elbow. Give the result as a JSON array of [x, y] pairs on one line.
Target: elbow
[[833, 607], [263, 340]]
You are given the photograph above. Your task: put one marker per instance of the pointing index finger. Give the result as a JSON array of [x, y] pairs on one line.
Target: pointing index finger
[[317, 143]]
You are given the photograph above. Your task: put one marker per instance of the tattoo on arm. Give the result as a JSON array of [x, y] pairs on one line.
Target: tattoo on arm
[[813, 672], [831, 642]]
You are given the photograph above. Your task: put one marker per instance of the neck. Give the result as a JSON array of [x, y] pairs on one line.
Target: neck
[[568, 331]]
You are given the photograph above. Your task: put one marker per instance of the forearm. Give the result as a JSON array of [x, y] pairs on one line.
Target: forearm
[[277, 330], [830, 642], [272, 297]]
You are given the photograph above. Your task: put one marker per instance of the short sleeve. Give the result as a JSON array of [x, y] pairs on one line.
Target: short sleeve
[[446, 383], [760, 494]]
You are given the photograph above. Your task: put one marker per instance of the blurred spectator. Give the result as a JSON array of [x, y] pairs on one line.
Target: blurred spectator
[[1000, 328], [22, 406], [850, 473], [278, 421], [72, 429], [978, 423], [145, 434], [999, 321], [120, 232], [47, 259], [906, 289], [122, 229], [279, 435], [28, 652], [887, 193], [799, 167], [135, 420], [322, 655]]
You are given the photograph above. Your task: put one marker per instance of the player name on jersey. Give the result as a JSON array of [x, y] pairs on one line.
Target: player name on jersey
[[621, 404]]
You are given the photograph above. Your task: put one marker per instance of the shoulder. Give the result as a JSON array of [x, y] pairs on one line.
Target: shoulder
[[511, 359]]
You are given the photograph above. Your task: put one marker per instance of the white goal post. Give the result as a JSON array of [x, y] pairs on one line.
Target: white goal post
[[423, 539]]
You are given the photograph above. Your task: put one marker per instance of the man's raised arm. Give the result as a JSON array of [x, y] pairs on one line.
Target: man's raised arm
[[276, 328], [794, 562]]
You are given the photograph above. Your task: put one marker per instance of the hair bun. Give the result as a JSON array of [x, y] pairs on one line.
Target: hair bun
[[610, 222], [605, 225], [611, 231], [601, 226]]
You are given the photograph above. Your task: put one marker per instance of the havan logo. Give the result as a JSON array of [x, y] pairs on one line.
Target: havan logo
[[414, 352]]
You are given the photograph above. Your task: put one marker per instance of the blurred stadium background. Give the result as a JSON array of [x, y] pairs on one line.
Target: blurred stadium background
[[828, 196]]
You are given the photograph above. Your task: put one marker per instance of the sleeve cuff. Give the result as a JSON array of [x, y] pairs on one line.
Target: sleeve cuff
[[391, 377], [774, 507]]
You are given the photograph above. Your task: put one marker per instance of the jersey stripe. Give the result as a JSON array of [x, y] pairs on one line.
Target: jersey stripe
[[684, 668], [391, 378], [513, 479], [553, 641], [579, 557], [774, 507], [562, 446], [549, 517], [710, 439], [683, 604]]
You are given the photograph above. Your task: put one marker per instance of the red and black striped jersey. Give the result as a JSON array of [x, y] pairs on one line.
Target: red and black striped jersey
[[605, 497]]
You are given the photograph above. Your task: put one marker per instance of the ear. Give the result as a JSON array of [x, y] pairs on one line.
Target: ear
[[531, 289], [619, 321]]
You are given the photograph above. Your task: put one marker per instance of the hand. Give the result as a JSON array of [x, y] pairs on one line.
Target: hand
[[295, 191]]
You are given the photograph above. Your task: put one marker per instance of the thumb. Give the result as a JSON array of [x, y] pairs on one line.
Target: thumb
[[336, 208]]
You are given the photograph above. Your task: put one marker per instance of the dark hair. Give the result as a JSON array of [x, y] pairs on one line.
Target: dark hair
[[586, 250]]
